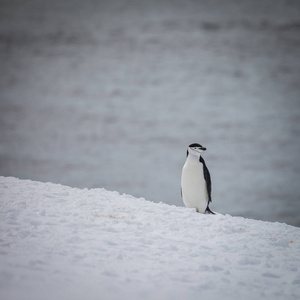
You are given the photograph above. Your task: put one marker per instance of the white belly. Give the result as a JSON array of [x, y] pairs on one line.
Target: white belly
[[193, 185]]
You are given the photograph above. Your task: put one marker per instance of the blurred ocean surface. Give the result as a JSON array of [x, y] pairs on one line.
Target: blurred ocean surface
[[110, 93]]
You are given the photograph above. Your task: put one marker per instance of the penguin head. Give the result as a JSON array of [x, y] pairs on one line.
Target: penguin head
[[195, 149]]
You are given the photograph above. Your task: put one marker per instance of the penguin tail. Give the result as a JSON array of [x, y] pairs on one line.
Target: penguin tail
[[208, 211]]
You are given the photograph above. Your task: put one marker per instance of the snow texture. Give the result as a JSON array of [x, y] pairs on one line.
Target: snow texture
[[59, 242]]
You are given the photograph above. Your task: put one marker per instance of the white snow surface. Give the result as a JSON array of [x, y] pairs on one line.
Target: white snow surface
[[59, 242]]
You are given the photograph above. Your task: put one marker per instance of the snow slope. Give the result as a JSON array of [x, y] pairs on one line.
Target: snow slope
[[59, 242]]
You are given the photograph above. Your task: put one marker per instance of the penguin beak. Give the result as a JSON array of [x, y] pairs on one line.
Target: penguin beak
[[203, 149]]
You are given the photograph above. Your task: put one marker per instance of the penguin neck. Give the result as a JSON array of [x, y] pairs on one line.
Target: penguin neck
[[193, 158]]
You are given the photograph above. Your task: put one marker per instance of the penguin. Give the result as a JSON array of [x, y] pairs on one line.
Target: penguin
[[195, 181]]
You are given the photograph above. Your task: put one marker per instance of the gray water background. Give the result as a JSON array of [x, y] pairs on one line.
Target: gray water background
[[110, 93]]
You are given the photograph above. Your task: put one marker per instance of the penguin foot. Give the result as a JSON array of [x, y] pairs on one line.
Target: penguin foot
[[208, 211]]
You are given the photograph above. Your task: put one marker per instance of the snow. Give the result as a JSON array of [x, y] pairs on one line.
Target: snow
[[59, 242]]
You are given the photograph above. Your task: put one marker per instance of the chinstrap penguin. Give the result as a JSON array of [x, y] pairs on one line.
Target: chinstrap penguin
[[195, 181]]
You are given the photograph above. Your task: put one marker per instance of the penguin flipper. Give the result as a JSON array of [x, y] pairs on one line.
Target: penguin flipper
[[207, 178]]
